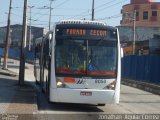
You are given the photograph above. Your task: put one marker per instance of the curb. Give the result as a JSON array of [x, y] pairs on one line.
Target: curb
[[8, 73], [142, 85]]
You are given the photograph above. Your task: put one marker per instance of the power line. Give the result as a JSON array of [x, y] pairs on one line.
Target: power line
[[53, 8], [77, 9], [84, 13], [105, 4], [111, 17], [61, 4], [44, 7], [28, 19], [71, 9], [80, 14], [110, 6], [40, 24], [52, 15]]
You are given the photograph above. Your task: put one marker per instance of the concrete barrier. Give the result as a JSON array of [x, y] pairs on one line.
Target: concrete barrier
[[142, 85]]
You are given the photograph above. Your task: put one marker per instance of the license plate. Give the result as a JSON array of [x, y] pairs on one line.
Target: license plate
[[86, 93]]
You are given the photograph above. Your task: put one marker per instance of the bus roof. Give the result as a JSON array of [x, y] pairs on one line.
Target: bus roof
[[84, 22], [81, 22]]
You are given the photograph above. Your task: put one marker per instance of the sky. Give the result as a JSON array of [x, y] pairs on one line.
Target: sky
[[105, 10]]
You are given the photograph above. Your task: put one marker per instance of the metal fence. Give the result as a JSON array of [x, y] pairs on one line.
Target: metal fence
[[15, 53], [142, 68]]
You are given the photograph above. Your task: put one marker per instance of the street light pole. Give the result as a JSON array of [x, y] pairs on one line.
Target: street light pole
[[30, 29], [92, 10], [134, 31], [50, 13], [23, 46], [7, 38]]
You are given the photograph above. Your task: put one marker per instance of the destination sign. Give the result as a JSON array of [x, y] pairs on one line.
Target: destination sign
[[81, 32]]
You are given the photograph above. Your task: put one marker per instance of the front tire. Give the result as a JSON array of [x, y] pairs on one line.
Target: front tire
[[101, 104], [37, 83]]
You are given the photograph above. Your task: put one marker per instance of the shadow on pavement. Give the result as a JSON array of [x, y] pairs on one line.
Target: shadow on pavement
[[17, 99], [44, 105], [10, 85]]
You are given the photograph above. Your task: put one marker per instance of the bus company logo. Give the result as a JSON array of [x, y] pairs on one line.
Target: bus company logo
[[81, 81]]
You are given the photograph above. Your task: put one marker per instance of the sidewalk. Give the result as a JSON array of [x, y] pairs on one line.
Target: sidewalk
[[153, 88], [13, 98]]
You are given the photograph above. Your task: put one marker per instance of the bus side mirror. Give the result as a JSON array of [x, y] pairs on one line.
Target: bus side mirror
[[122, 53]]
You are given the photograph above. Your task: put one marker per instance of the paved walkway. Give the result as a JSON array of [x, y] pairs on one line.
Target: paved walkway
[[13, 98]]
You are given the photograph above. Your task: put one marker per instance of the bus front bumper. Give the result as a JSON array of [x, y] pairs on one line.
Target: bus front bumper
[[83, 96]]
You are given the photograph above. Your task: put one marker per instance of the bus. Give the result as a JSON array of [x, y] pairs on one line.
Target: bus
[[79, 61]]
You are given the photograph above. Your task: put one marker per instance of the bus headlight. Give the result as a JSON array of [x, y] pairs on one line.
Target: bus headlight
[[60, 84], [111, 86]]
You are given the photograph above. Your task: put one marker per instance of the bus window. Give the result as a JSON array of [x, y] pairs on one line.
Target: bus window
[[71, 56], [86, 57], [102, 57]]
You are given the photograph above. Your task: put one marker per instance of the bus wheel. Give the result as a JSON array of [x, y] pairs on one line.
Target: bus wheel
[[101, 104], [43, 91], [37, 82], [47, 88]]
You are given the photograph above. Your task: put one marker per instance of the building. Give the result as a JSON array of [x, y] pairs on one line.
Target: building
[[146, 14], [16, 35], [141, 33], [154, 45]]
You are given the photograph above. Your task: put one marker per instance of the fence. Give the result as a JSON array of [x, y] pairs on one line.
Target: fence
[[141, 68], [15, 53]]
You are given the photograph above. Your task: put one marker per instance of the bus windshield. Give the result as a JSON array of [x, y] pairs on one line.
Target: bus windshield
[[86, 57]]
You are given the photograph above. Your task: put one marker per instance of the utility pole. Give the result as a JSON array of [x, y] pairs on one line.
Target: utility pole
[[23, 46], [7, 38], [132, 17], [134, 31], [50, 13], [30, 29], [92, 10]]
